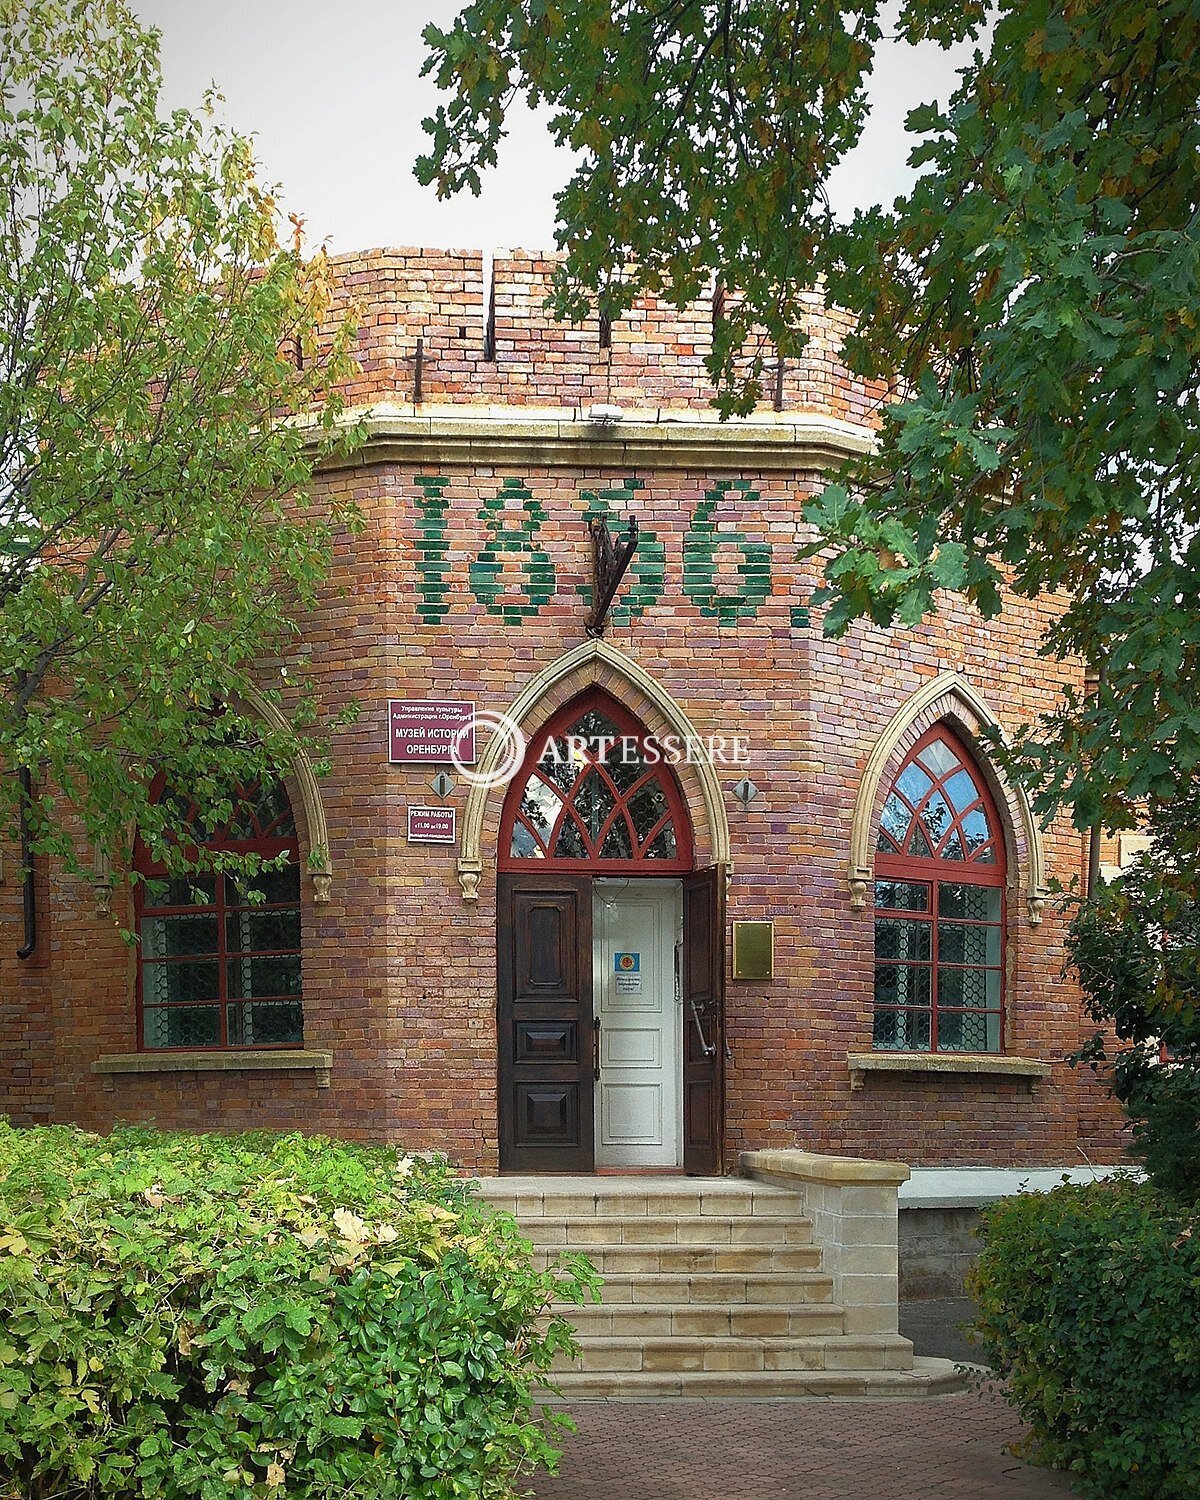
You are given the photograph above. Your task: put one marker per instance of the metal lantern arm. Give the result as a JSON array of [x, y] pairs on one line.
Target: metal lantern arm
[[609, 562]]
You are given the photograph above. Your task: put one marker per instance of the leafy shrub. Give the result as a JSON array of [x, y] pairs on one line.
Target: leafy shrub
[[1135, 944], [219, 1317], [1089, 1305]]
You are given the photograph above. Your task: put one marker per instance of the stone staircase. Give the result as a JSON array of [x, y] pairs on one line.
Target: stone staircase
[[712, 1287]]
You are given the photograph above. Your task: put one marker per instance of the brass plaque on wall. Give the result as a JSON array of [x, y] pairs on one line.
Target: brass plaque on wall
[[754, 950]]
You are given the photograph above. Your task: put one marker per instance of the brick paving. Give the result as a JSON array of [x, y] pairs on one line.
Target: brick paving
[[950, 1448]]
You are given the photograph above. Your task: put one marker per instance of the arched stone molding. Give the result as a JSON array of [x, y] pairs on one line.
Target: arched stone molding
[[949, 697], [304, 781], [594, 663], [304, 778]]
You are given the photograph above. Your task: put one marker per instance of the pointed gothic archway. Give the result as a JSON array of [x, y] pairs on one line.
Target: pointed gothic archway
[[610, 954], [594, 663], [951, 699]]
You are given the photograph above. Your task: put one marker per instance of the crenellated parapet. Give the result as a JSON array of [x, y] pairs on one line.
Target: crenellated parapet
[[447, 327]]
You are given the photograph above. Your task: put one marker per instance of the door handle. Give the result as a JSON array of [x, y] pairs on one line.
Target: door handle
[[708, 1048], [596, 1049]]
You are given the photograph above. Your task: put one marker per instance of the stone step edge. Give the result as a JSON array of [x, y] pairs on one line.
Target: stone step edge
[[604, 1247], [741, 1201], [928, 1378], [690, 1343], [635, 1185], [807, 1279], [781, 1221], [571, 1310]]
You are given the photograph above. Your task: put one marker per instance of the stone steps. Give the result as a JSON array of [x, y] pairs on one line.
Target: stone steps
[[660, 1229], [638, 1197], [711, 1287], [718, 1287], [732, 1353], [643, 1260], [686, 1320]]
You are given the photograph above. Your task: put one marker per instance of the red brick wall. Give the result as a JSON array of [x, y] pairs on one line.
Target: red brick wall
[[399, 972]]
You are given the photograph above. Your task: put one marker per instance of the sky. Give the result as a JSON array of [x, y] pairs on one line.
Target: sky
[[332, 95]]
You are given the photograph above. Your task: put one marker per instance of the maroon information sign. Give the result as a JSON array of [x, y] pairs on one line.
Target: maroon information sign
[[431, 825], [421, 733]]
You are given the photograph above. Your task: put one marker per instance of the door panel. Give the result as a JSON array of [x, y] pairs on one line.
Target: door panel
[[544, 974], [638, 1106], [703, 1019]]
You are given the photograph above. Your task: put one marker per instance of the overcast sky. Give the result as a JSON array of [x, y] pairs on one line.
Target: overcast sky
[[333, 97]]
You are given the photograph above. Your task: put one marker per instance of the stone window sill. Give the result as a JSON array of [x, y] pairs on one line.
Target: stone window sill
[[994, 1064], [231, 1061]]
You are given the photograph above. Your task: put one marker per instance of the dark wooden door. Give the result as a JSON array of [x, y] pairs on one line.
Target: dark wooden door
[[544, 936], [703, 1019]]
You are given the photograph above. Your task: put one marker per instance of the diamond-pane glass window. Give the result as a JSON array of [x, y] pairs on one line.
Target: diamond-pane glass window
[[219, 954], [596, 790], [939, 906]]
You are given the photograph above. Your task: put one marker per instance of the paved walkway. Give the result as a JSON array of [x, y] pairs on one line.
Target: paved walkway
[[952, 1448]]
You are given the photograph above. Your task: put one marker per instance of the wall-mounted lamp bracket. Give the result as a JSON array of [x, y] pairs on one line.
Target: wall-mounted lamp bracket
[[609, 562]]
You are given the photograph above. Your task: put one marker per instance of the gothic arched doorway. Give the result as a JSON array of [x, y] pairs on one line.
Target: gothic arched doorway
[[610, 955]]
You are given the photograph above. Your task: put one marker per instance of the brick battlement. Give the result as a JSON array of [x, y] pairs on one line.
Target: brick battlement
[[494, 343]]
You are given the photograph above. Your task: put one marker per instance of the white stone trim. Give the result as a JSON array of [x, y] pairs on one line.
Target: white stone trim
[[228, 1060], [994, 1064], [973, 1187], [318, 865]]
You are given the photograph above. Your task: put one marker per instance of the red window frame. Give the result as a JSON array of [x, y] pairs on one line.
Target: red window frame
[[219, 909], [626, 724], [935, 871]]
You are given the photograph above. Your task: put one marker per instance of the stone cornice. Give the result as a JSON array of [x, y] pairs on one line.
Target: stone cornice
[[556, 437]]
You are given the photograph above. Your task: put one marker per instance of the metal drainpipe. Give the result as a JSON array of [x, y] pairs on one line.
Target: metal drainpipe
[[1093, 864], [1094, 679], [29, 901]]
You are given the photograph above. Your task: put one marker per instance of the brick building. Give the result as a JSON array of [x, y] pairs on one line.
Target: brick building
[[565, 985]]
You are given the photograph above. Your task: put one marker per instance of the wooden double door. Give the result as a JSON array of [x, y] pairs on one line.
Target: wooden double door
[[569, 1017]]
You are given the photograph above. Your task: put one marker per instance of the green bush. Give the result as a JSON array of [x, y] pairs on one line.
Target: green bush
[[1135, 944], [1089, 1306], [216, 1317]]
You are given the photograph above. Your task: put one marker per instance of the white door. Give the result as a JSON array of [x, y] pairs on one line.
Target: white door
[[639, 1099]]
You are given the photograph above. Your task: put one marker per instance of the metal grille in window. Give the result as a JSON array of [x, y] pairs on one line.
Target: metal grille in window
[[219, 954], [595, 790], [939, 906]]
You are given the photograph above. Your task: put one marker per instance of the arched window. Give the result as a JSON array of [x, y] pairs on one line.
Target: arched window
[[939, 906], [216, 967], [597, 791]]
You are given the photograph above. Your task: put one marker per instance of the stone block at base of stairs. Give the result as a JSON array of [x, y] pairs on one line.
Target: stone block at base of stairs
[[928, 1377]]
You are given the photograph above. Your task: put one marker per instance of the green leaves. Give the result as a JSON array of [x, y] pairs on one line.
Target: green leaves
[[1135, 945], [232, 1317], [156, 537], [1032, 301], [1051, 431], [703, 134], [1087, 1307]]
